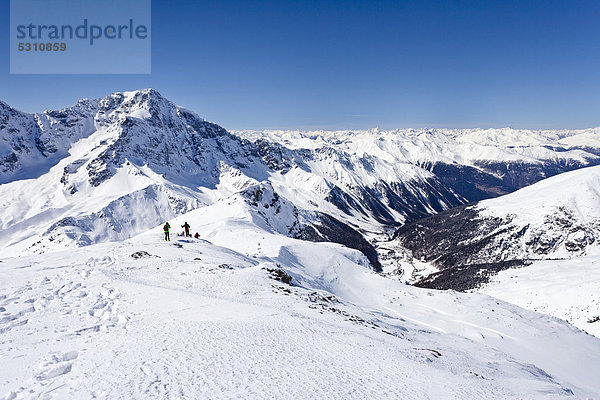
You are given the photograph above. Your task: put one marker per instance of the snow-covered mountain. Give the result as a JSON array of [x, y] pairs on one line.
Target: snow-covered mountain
[[475, 163], [246, 312], [108, 169], [556, 218], [495, 246], [280, 297], [31, 143], [477, 247]]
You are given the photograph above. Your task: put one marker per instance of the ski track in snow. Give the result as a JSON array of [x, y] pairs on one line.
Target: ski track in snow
[[208, 319], [195, 320]]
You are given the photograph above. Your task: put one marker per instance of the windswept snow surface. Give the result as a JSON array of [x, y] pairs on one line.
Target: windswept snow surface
[[568, 289], [554, 225], [205, 318], [94, 304]]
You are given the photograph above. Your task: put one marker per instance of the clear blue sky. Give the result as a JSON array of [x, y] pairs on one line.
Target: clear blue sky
[[353, 64]]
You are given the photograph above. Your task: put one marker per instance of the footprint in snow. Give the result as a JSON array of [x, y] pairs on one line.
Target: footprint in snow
[[58, 358], [70, 355], [54, 372], [59, 365]]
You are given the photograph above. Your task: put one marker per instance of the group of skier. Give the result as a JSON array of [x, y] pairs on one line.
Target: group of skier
[[186, 227]]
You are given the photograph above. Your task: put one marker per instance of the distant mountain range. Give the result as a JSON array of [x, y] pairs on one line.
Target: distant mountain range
[[110, 168], [413, 201], [305, 269]]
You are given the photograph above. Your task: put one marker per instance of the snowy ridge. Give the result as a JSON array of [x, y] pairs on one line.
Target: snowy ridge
[[576, 191], [558, 217], [30, 143], [108, 159], [475, 163], [136, 153], [217, 313], [141, 161], [280, 295]]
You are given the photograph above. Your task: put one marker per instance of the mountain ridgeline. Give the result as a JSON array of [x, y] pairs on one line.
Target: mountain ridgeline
[[111, 168]]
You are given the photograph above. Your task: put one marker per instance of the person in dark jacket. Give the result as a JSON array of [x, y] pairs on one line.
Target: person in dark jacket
[[186, 226], [197, 235], [166, 229]]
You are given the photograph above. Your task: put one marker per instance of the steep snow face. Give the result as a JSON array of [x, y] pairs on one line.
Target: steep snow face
[[556, 218], [108, 169], [220, 310], [140, 127], [576, 192], [462, 146], [495, 246], [365, 188], [200, 318], [147, 130], [31, 143]]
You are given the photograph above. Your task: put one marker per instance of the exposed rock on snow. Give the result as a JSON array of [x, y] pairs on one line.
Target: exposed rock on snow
[[474, 163]]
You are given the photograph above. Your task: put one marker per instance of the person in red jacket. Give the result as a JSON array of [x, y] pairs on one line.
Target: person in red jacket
[[186, 226]]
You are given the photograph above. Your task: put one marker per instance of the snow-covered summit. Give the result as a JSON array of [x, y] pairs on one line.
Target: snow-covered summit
[[464, 146], [106, 169], [109, 168], [99, 169], [578, 191], [282, 282]]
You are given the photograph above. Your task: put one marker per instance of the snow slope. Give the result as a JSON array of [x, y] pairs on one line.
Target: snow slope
[[564, 209], [475, 163], [558, 217], [561, 219], [208, 318], [469, 147], [495, 247], [94, 304], [108, 169], [566, 289]]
